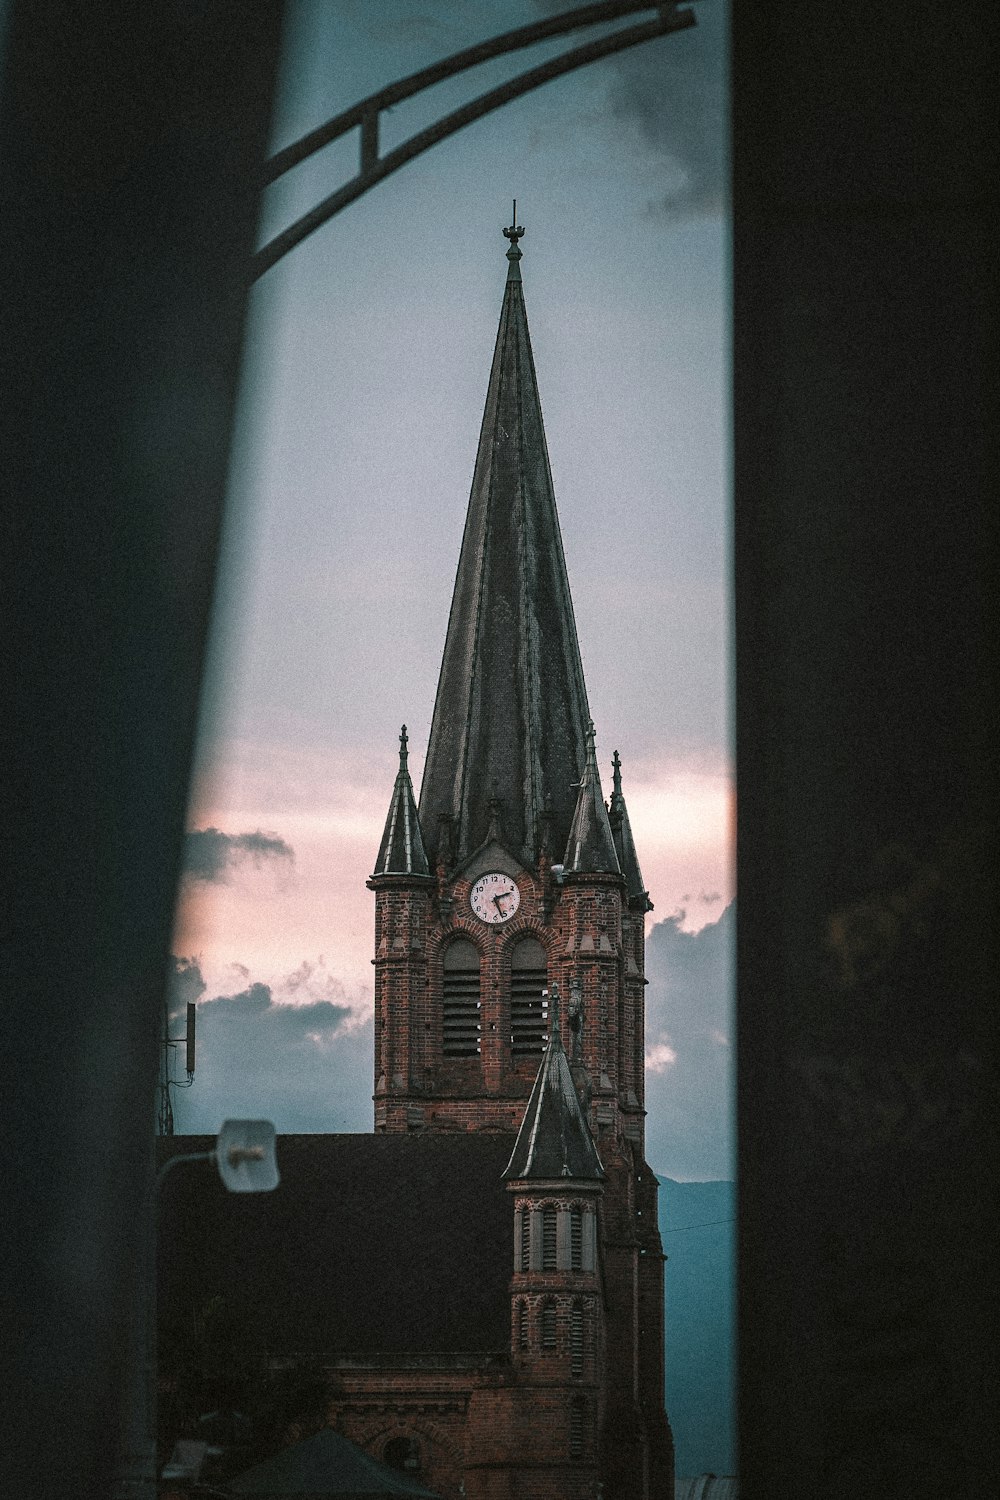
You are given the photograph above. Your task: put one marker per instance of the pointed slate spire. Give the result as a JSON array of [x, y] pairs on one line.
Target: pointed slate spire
[[554, 1139], [624, 844], [591, 848], [402, 849], [511, 710]]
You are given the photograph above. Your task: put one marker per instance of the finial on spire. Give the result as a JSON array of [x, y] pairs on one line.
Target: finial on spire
[[514, 233], [516, 230], [403, 740], [616, 762]]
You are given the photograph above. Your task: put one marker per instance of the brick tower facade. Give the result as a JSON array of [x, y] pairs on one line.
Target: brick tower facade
[[510, 884]]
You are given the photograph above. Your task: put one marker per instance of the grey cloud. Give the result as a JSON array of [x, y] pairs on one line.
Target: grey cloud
[[316, 1020], [184, 984], [676, 90], [689, 1008], [299, 1065], [210, 854], [185, 979]]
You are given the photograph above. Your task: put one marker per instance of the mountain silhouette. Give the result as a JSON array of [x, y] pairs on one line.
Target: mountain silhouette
[[699, 1240]]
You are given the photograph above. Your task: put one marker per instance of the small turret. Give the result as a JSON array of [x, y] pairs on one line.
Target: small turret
[[402, 851], [554, 1141], [621, 832], [591, 847], [557, 1306]]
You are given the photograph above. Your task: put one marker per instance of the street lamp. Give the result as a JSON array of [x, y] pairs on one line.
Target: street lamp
[[245, 1156]]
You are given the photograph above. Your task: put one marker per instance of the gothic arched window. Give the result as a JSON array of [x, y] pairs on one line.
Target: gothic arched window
[[461, 1000], [402, 1453], [525, 1246], [528, 1006]]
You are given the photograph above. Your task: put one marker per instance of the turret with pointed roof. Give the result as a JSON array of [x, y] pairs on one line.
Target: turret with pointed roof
[[621, 831], [402, 851], [590, 849], [554, 1140], [511, 714]]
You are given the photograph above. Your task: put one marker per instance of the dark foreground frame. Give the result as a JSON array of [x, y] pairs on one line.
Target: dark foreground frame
[[866, 721]]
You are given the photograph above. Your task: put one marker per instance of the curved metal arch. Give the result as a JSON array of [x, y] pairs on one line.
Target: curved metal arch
[[374, 168]]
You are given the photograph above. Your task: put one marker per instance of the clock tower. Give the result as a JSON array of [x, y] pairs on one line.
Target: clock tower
[[512, 875]]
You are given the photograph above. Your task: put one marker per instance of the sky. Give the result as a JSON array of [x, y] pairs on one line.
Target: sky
[[365, 373]]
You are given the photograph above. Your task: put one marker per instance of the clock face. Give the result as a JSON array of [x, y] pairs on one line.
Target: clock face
[[494, 898]]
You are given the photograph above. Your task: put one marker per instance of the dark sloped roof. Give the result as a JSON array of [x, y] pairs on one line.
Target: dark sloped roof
[[707, 1487], [590, 848], [327, 1464], [371, 1244], [554, 1139], [511, 709], [621, 830], [401, 851]]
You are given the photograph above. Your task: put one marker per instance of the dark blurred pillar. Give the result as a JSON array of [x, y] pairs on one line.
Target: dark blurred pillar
[[865, 171], [130, 138]]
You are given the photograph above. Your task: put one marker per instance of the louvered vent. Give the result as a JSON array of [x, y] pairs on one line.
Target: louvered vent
[[522, 1326], [549, 1325], [525, 1240], [548, 1239], [576, 1415], [576, 1239], [529, 1011], [576, 1339], [461, 1001]]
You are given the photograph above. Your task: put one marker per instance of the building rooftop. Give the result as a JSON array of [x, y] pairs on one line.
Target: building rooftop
[[327, 1464], [329, 1262]]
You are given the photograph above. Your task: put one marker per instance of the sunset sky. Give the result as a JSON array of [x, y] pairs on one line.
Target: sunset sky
[[367, 361]]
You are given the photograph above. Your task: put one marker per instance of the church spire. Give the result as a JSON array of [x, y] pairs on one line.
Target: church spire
[[590, 848], [511, 710], [402, 849]]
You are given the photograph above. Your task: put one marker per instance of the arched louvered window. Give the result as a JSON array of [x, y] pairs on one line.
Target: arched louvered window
[[522, 1325], [525, 1247], [549, 1221], [576, 1238], [529, 1016], [577, 1414], [576, 1338], [548, 1325], [461, 1000]]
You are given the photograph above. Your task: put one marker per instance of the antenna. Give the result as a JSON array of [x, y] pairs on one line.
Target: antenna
[[168, 1051]]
